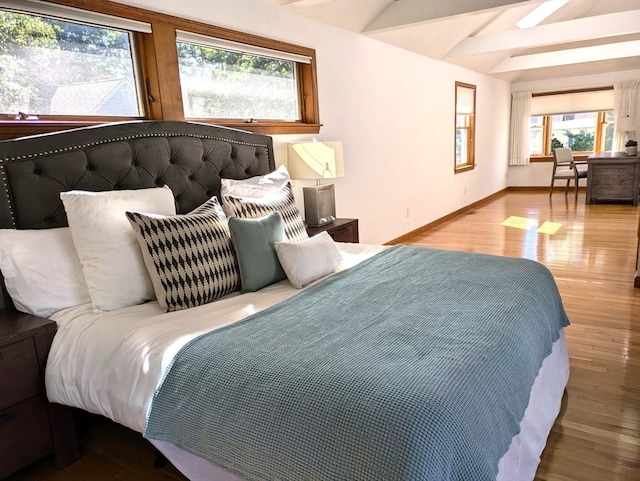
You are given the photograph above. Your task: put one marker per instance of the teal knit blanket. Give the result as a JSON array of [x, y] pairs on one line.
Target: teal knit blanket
[[414, 365]]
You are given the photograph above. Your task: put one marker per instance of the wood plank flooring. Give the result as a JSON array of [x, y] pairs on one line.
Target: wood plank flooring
[[592, 256]]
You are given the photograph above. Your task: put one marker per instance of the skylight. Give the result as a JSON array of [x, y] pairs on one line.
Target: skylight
[[540, 13]]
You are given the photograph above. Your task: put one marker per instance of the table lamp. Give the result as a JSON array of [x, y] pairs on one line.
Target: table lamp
[[317, 160]]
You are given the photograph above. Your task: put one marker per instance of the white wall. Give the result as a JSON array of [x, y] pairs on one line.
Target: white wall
[[392, 109], [539, 173]]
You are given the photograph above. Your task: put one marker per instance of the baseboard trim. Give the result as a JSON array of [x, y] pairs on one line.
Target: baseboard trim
[[437, 222], [431, 225]]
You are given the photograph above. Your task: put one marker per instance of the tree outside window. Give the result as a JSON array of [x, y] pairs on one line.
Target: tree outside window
[[54, 67]]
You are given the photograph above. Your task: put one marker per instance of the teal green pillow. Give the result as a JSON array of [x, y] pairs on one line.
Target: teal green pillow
[[254, 241]]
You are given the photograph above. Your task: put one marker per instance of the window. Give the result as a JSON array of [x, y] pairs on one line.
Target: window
[[63, 67], [52, 67], [465, 127], [580, 131], [227, 80], [580, 119]]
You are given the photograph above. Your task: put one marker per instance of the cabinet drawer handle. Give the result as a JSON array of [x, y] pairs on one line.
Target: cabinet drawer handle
[[340, 230], [5, 418]]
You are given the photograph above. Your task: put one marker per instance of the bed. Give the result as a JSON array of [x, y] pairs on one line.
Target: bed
[[315, 360]]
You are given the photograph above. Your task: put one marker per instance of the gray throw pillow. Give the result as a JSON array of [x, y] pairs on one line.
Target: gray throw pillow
[[254, 241]]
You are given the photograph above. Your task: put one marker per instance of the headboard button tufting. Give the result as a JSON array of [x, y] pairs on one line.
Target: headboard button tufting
[[92, 147]]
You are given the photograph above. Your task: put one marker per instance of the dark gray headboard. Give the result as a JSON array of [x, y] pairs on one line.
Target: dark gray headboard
[[188, 157]]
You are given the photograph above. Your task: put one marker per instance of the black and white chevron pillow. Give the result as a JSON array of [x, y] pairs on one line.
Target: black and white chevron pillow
[[280, 200], [190, 258]]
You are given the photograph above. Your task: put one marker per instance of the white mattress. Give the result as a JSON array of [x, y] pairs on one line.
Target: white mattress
[[111, 363]]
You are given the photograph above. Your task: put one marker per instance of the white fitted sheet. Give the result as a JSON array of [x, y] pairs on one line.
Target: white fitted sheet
[[111, 363]]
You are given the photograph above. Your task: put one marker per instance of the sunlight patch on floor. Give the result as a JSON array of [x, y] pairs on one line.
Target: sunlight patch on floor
[[549, 228], [531, 224]]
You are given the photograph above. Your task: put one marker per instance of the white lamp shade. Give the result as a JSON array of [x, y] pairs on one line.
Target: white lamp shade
[[626, 124], [315, 160]]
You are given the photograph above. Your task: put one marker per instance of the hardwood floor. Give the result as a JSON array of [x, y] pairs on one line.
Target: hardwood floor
[[592, 256]]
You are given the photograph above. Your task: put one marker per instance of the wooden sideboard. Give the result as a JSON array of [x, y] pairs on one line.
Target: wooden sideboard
[[613, 176]]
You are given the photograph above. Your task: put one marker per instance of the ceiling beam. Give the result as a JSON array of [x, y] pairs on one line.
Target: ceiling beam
[[569, 57], [601, 26], [406, 12]]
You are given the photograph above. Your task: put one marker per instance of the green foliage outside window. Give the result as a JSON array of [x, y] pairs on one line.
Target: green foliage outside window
[[50, 66], [218, 83], [556, 144], [582, 141]]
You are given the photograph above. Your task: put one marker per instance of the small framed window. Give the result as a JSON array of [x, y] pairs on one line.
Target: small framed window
[[225, 80], [55, 67], [465, 113]]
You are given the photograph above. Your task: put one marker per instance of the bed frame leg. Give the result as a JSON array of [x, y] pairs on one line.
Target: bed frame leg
[[161, 461]]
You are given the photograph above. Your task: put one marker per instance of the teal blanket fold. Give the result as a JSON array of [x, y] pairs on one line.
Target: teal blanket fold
[[414, 365]]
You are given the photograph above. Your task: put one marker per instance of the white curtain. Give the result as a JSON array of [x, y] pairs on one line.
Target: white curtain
[[625, 100], [519, 133]]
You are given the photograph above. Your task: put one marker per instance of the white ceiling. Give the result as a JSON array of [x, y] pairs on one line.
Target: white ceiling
[[583, 37]]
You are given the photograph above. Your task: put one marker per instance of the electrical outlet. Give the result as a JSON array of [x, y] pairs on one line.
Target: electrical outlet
[[407, 211]]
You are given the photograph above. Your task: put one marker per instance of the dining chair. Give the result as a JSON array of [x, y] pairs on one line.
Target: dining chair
[[564, 168]]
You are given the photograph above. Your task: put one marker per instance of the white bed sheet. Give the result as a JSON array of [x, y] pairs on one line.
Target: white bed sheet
[[111, 363]]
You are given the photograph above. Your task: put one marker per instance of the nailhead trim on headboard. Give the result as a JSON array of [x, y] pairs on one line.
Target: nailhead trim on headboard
[[131, 137], [5, 183]]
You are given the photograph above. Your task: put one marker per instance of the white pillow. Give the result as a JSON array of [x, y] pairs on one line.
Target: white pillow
[[109, 252], [254, 187], [42, 271], [308, 260]]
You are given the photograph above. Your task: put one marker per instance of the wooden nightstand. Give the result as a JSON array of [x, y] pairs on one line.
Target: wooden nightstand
[[341, 230], [30, 426]]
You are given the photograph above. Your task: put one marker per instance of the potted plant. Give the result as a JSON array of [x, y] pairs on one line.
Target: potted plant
[[631, 147]]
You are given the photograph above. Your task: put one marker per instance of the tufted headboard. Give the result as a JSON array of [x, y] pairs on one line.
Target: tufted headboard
[[188, 157]]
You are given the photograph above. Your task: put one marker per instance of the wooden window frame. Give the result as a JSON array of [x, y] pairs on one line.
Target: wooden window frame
[[162, 94], [470, 130]]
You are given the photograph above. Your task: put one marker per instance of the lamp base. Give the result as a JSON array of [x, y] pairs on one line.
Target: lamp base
[[319, 205]]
